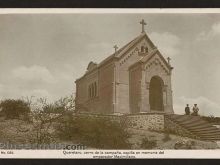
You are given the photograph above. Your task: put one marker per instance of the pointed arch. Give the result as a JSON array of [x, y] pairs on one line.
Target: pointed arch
[[156, 93]]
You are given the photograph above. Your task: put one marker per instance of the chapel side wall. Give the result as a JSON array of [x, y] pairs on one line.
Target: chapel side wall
[[131, 57], [83, 102], [80, 94], [135, 89], [106, 87], [92, 103]]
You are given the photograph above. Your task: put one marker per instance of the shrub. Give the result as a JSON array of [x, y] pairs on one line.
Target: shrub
[[148, 143], [182, 144], [211, 119], [94, 132], [58, 107], [166, 137], [14, 108], [41, 128]]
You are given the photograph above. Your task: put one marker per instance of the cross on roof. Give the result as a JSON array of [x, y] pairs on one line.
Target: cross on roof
[[168, 59], [116, 47], [143, 24]]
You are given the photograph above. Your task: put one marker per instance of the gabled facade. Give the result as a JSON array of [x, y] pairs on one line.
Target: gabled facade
[[134, 79]]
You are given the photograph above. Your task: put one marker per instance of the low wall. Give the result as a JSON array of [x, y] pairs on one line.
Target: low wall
[[146, 121], [138, 121]]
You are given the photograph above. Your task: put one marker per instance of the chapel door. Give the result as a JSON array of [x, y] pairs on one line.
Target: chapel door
[[156, 94]]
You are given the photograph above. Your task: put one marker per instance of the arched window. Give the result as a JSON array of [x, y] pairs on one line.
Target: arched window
[[146, 49], [95, 89], [90, 94], [92, 90], [89, 91], [142, 49]]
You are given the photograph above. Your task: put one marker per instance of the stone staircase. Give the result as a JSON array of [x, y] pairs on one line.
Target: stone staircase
[[196, 126]]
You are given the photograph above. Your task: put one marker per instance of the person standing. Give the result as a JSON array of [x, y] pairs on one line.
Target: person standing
[[187, 109], [195, 110]]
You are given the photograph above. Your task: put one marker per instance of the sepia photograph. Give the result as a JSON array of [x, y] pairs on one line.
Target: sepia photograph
[[95, 80]]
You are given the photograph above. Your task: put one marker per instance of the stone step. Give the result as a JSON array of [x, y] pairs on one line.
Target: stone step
[[191, 120], [210, 129], [180, 117], [213, 132], [200, 126], [209, 135], [210, 139], [176, 117], [190, 123], [195, 125], [208, 132], [205, 127]]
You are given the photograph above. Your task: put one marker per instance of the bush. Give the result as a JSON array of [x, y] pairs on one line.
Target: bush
[[166, 137], [94, 132], [14, 108], [58, 107], [184, 145], [148, 144], [211, 119]]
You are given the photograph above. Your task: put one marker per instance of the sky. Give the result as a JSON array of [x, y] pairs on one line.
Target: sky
[[42, 55]]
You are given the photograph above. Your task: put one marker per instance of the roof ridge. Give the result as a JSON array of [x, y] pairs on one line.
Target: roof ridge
[[123, 47]]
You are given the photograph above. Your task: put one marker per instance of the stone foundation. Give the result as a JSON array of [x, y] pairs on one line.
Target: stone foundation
[[148, 121]]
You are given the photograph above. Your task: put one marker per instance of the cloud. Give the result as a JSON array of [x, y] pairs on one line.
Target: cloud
[[38, 81], [33, 73], [166, 42], [212, 32], [207, 107], [13, 92]]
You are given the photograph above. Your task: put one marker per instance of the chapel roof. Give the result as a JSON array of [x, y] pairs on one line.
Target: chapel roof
[[119, 53]]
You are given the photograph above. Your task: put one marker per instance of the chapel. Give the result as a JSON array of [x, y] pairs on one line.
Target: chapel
[[136, 78]]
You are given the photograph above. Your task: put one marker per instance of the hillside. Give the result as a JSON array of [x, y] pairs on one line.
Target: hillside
[[19, 132]]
